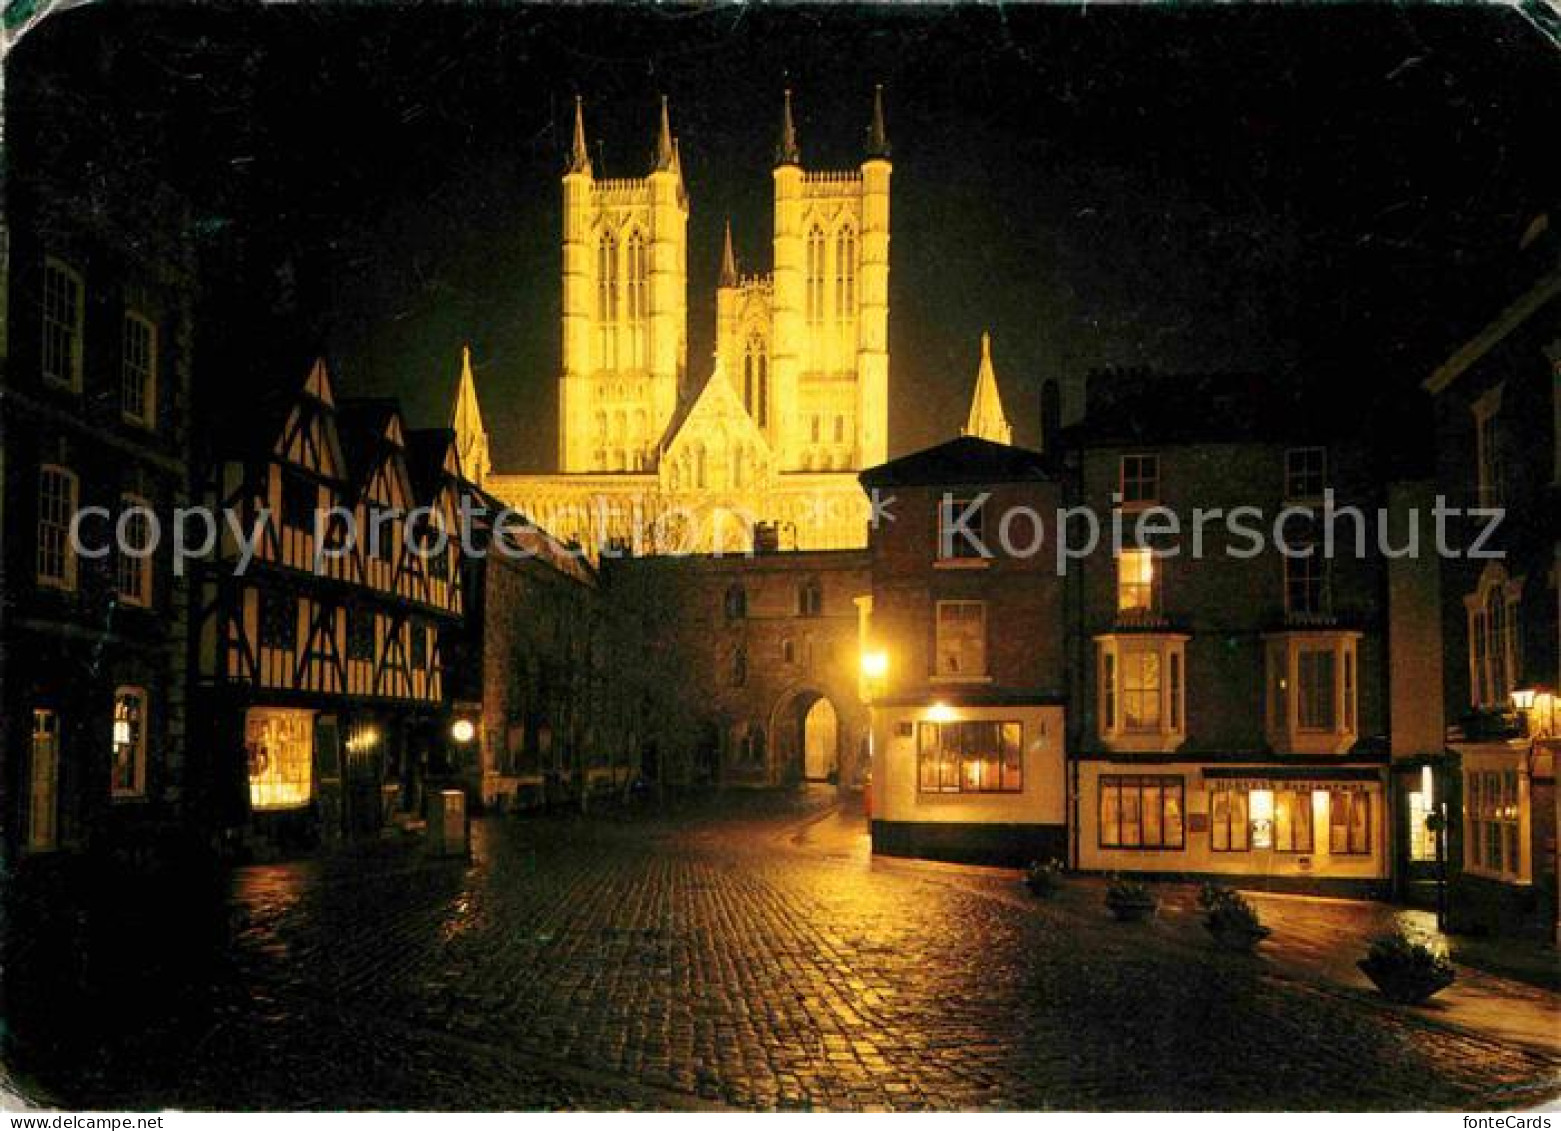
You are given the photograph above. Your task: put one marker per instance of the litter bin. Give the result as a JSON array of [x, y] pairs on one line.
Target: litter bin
[[447, 831]]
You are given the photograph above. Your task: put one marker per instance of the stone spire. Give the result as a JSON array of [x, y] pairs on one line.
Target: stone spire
[[786, 151], [579, 155], [471, 440], [728, 260], [877, 136], [987, 420], [666, 153]]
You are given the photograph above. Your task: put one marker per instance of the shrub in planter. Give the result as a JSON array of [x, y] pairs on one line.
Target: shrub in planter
[[1130, 900], [1044, 877], [1231, 918], [1406, 971]]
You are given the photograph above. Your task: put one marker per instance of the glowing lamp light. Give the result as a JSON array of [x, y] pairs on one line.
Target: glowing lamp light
[[121, 732], [940, 713], [875, 665], [462, 730], [1523, 698]]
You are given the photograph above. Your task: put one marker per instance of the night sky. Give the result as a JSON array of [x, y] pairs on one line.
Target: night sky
[[1326, 194]]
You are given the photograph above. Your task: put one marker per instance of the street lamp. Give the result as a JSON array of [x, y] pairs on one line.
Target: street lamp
[[462, 731], [875, 665]]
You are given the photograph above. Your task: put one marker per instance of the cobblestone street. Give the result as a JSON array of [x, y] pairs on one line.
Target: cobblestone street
[[751, 954]]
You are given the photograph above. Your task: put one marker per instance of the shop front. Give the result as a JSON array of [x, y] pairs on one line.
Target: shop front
[[1276, 827]]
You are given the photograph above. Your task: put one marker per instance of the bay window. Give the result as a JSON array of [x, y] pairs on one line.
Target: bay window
[[1311, 689], [1141, 690], [1494, 812]]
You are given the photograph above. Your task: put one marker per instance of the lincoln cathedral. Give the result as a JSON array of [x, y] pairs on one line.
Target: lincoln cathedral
[[772, 435]]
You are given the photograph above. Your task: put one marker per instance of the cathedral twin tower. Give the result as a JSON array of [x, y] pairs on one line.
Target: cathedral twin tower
[[797, 400]]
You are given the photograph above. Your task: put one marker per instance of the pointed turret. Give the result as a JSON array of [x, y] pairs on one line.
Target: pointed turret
[[728, 260], [666, 153], [877, 136], [471, 440], [579, 154], [987, 420], [786, 151]]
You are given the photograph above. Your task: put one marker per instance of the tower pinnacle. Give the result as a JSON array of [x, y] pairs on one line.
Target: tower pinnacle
[[877, 136], [471, 440], [579, 155], [786, 151], [987, 420], [666, 155], [728, 260]]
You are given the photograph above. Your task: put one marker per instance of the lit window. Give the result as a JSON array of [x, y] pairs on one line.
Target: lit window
[[133, 558], [56, 560], [129, 742], [138, 370], [63, 312], [1349, 823], [1493, 822], [961, 640], [1306, 473], [970, 757], [1141, 812], [1229, 827], [1140, 480], [1135, 581], [280, 746], [1142, 690], [1293, 820]]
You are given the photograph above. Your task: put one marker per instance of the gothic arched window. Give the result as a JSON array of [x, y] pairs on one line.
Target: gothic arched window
[[748, 381], [736, 602], [607, 297], [815, 277], [845, 277], [637, 303], [763, 413]]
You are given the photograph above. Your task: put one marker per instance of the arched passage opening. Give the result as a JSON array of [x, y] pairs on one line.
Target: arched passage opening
[[807, 737]]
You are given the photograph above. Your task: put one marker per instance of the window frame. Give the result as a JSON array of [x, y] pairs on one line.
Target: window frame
[[74, 335], [1140, 783], [142, 564], [939, 671], [47, 528], [1349, 825], [1148, 590], [1144, 476], [1113, 670], [959, 755], [147, 416], [963, 548], [1298, 479]]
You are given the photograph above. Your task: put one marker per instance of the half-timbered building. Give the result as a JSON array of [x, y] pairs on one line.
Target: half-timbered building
[[319, 619]]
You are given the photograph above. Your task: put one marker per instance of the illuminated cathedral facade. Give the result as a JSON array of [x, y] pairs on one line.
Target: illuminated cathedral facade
[[654, 459], [796, 401]]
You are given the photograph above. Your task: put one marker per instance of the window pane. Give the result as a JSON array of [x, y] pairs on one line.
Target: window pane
[[1110, 813], [1175, 831]]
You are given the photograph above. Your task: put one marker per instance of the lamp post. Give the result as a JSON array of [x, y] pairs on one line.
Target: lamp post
[[875, 674]]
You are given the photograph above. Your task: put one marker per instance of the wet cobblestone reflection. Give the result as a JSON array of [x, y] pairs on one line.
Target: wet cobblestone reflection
[[650, 960]]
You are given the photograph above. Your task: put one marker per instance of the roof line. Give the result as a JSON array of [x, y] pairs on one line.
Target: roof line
[[1488, 338]]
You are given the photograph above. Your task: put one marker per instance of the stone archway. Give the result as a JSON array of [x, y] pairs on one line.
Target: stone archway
[[805, 737]]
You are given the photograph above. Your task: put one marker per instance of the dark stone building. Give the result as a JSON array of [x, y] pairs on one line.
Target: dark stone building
[[1497, 400]]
